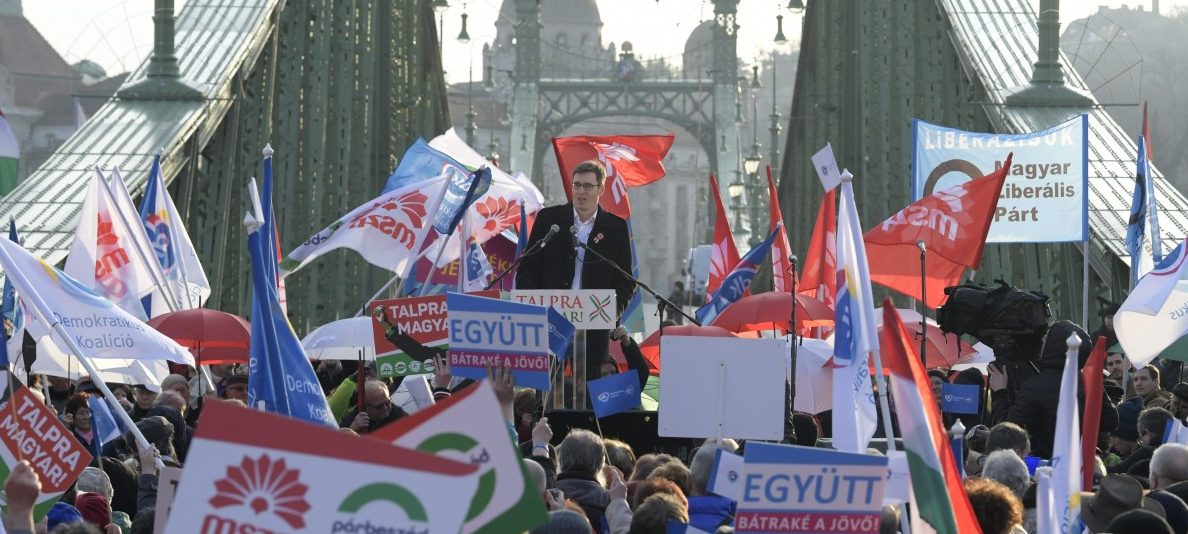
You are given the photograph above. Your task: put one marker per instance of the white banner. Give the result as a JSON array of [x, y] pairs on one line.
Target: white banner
[[1044, 199]]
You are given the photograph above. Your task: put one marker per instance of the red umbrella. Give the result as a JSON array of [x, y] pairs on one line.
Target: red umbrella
[[651, 346], [944, 350], [212, 336], [773, 311]]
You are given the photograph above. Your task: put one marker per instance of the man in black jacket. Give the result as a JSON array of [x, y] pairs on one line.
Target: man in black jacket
[[1035, 402], [562, 264]]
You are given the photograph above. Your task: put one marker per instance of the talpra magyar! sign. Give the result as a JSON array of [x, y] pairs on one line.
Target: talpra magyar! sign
[[34, 432], [587, 309], [784, 488], [1044, 199], [421, 318]]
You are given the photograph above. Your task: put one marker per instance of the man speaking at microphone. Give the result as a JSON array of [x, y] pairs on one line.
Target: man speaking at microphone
[[562, 264]]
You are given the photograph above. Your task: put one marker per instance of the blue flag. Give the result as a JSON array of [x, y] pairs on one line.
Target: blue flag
[[280, 378], [462, 191], [1142, 230], [633, 319], [960, 398], [102, 421], [560, 335], [736, 283], [9, 313], [612, 394], [422, 162]]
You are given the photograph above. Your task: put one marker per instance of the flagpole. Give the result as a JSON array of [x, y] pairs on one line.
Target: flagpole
[[1085, 290], [44, 313], [403, 276], [923, 303]]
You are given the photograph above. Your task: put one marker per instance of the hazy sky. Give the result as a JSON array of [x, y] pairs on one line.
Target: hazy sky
[[117, 34]]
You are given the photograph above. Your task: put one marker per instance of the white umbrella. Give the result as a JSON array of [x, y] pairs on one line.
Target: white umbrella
[[814, 380], [341, 340]]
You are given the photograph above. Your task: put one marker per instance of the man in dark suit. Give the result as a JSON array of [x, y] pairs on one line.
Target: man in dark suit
[[563, 265]]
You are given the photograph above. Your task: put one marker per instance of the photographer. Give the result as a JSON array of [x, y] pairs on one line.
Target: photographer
[[1035, 401]]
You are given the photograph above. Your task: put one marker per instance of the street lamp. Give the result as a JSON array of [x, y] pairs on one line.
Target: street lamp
[[464, 36], [780, 38], [735, 190], [751, 167], [796, 5]]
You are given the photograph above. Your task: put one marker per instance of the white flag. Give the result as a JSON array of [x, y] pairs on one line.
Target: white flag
[[102, 256], [144, 251], [1155, 314], [172, 246], [1066, 448], [95, 324]]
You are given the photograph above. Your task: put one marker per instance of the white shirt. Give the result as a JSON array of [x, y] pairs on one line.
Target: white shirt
[[583, 234]]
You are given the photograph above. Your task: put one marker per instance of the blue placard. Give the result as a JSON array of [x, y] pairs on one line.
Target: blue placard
[[960, 398], [615, 393], [485, 332], [560, 334]]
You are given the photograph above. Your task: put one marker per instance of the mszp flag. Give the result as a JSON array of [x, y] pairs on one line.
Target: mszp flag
[[940, 504], [171, 243], [468, 427], [725, 253], [782, 277], [103, 256], [855, 335], [98, 327], [256, 477], [1155, 314]]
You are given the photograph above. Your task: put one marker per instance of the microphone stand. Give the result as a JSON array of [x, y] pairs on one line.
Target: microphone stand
[[923, 306], [663, 301], [536, 247], [795, 334]]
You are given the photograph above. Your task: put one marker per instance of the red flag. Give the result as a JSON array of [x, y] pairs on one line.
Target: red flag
[[725, 255], [952, 224], [819, 278], [1092, 378], [630, 161], [782, 275]]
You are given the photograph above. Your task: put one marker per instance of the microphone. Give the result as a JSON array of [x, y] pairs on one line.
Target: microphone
[[920, 245], [552, 232]]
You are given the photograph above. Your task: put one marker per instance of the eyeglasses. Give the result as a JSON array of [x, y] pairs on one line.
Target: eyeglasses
[[585, 186], [381, 406]]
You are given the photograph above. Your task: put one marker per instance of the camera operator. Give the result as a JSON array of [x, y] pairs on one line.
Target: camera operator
[[1035, 401]]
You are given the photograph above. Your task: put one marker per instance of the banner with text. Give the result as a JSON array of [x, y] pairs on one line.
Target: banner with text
[[33, 432], [487, 332], [587, 309], [791, 489], [421, 318], [1044, 199]]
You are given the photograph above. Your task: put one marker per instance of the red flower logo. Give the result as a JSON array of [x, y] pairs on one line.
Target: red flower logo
[[499, 213], [264, 485]]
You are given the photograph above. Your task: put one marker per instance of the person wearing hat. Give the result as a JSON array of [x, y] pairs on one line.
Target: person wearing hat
[[1124, 438], [1151, 423], [234, 387], [1116, 495], [1179, 401], [1106, 329]]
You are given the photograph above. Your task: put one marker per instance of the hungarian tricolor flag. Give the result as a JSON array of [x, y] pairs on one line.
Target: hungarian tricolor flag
[[782, 276], [819, 279], [630, 161], [940, 502], [724, 256], [952, 224], [10, 155]]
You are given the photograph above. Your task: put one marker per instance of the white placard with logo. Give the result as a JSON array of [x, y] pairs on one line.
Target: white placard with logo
[[587, 309], [1044, 199]]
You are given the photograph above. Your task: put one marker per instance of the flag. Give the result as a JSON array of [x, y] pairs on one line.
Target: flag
[[98, 327], [142, 248], [1175, 432], [855, 336], [1142, 233], [423, 162], [80, 116], [1145, 155], [473, 267], [103, 255], [469, 427], [735, 285], [560, 335], [725, 254], [171, 244], [33, 431], [782, 275], [460, 194], [676, 527], [263, 473], [940, 502], [10, 156], [1066, 450], [1152, 317], [630, 161], [280, 377], [11, 320], [820, 263], [1092, 379], [616, 393], [952, 224], [103, 423], [387, 230]]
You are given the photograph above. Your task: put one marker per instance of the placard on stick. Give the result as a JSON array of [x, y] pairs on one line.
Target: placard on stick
[[722, 387]]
